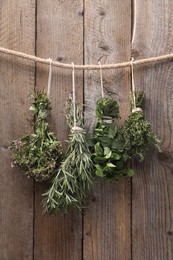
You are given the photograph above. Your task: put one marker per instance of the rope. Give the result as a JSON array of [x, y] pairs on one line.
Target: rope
[[101, 79], [134, 21], [74, 98], [86, 67], [49, 78], [134, 109], [133, 84], [75, 127], [107, 119], [137, 109]]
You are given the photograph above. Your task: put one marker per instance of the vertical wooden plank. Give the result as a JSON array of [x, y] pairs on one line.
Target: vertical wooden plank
[[152, 186], [60, 37], [107, 230], [17, 32]]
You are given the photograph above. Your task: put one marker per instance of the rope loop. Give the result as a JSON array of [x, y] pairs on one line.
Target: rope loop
[[74, 95], [107, 119], [137, 109], [133, 83], [101, 79], [49, 78], [78, 129]]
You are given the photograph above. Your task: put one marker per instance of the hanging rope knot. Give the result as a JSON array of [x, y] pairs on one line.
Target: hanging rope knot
[[108, 119], [50, 60], [137, 109], [78, 129]]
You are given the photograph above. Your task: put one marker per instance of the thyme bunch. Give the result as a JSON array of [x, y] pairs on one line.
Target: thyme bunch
[[75, 175], [38, 154], [137, 131], [109, 156]]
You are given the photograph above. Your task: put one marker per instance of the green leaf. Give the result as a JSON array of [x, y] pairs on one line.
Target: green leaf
[[117, 144], [25, 138], [99, 171], [112, 131], [107, 107], [116, 156], [98, 149], [99, 159], [106, 150], [111, 165], [106, 141], [130, 172], [108, 155]]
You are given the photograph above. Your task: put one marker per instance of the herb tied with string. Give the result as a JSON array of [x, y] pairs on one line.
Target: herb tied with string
[[109, 156], [38, 154], [75, 175], [137, 131]]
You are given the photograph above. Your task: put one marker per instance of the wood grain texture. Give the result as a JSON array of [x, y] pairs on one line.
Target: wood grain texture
[[152, 192], [60, 37], [107, 230], [17, 32]]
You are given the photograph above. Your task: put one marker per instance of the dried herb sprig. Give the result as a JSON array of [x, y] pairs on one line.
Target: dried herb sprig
[[137, 131], [38, 154], [109, 156], [75, 175]]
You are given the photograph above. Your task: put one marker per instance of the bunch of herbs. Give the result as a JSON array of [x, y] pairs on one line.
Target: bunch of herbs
[[137, 131], [75, 175], [38, 154], [109, 156]]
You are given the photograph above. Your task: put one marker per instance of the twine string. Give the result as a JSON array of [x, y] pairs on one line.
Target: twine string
[[133, 84], [107, 119], [87, 67], [75, 127], [49, 78], [74, 96], [101, 79], [134, 21]]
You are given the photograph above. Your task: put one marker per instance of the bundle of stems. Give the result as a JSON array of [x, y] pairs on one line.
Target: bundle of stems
[[137, 131], [109, 156], [75, 175], [38, 154]]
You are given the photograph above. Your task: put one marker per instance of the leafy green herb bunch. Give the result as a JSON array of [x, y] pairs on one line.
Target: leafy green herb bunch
[[137, 131], [75, 175], [109, 156], [38, 154]]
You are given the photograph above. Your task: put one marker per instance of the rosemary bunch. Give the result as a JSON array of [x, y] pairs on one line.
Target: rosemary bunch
[[109, 156], [38, 153], [137, 131], [75, 175]]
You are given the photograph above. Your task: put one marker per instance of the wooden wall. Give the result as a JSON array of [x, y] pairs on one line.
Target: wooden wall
[[125, 220]]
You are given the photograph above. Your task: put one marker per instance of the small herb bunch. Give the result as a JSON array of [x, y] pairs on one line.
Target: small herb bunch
[[38, 154], [137, 131], [109, 156], [75, 175]]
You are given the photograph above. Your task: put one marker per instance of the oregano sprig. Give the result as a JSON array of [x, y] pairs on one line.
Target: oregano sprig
[[38, 154], [137, 131]]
